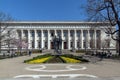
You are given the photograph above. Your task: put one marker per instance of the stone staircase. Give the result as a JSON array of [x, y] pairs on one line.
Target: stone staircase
[[48, 51], [52, 51]]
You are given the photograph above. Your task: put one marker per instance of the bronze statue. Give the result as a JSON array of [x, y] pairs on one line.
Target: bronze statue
[[57, 44]]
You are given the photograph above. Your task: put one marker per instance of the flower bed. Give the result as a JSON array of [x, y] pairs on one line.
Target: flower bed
[[42, 60], [70, 60], [38, 59], [48, 58]]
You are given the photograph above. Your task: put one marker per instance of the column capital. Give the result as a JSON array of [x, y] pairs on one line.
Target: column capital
[[68, 29], [21, 29], [28, 29], [74, 29], [82, 30], [42, 30], [35, 30]]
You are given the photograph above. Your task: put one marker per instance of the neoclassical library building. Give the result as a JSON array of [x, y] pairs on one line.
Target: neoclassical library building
[[77, 35]]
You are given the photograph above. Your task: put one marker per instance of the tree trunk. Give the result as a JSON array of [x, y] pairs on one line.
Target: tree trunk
[[119, 42]]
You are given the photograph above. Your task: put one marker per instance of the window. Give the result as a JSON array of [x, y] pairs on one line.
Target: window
[[39, 44], [33, 44], [32, 33], [58, 33], [84, 44], [45, 34], [26, 34], [19, 33], [98, 34], [65, 33], [71, 33], [84, 33], [46, 45], [71, 45], [78, 45], [39, 34], [91, 34], [78, 33], [52, 34]]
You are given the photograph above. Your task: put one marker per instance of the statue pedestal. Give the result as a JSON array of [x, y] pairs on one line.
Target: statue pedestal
[[57, 55]]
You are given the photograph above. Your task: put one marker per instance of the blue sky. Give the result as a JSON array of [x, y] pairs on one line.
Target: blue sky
[[44, 10]]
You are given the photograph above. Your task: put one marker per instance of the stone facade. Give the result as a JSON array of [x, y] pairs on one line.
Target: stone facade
[[77, 35]]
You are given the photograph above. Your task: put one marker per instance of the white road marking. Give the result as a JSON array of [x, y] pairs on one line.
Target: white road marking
[[42, 68], [55, 76], [67, 68]]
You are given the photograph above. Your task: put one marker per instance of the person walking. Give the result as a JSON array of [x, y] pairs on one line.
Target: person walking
[[30, 53]]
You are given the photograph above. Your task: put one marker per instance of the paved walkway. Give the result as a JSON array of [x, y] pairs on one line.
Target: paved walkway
[[15, 68]]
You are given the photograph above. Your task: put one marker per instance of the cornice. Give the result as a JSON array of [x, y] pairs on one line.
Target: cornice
[[54, 23]]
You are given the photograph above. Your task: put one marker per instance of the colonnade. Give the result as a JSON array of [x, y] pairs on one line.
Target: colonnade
[[74, 38]]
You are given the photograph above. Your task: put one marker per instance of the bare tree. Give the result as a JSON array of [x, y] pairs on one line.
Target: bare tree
[[20, 44], [91, 43], [8, 40], [105, 43], [105, 11], [4, 31]]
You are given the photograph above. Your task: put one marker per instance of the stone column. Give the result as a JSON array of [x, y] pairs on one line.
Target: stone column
[[42, 42], [29, 39], [88, 39], [22, 34], [48, 40], [100, 40], [35, 40], [62, 38], [75, 44], [68, 39], [81, 39], [95, 37]]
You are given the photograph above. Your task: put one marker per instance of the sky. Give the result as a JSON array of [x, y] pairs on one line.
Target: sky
[[44, 10]]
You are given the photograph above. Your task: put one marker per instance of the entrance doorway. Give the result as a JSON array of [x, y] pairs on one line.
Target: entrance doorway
[[52, 45], [46, 45], [65, 45]]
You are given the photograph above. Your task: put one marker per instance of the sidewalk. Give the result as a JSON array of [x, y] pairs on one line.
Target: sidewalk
[[12, 67]]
